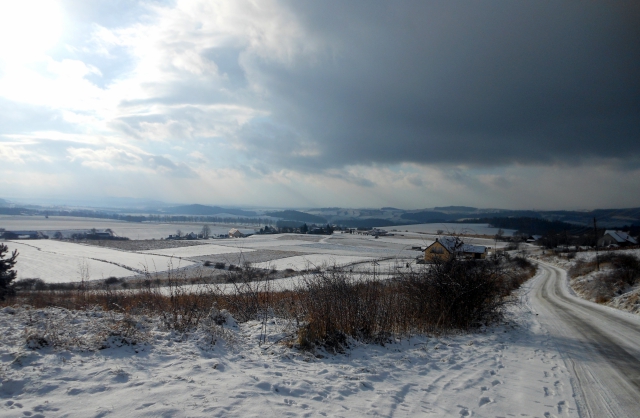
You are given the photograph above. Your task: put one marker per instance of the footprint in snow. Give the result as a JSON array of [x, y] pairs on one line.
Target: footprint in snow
[[484, 400], [561, 405], [465, 412]]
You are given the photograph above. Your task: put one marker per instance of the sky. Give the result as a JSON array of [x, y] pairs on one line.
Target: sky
[[365, 103]]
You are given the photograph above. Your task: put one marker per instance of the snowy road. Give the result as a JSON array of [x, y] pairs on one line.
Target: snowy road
[[600, 345]]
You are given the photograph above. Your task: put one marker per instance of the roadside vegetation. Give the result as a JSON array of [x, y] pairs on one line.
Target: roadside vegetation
[[617, 275], [326, 308]]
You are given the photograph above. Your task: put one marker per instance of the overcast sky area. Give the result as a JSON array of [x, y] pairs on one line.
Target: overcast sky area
[[411, 104]]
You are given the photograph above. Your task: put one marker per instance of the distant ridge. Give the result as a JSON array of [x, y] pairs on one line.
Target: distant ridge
[[294, 215], [427, 217], [462, 209], [203, 210]]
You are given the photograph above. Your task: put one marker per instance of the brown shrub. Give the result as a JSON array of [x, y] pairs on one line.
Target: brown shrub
[[328, 305]]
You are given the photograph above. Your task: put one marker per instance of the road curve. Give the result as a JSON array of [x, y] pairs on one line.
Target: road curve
[[600, 345]]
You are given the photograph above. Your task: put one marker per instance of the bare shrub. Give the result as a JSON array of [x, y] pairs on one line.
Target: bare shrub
[[619, 271], [581, 268], [29, 284], [626, 266], [111, 281], [444, 296], [329, 305], [601, 287]]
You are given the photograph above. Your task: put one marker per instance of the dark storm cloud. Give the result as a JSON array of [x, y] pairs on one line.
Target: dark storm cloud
[[480, 83]]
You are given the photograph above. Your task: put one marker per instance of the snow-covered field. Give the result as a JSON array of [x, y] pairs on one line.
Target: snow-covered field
[[265, 241], [62, 261], [56, 261], [60, 268], [197, 251], [311, 261], [511, 369]]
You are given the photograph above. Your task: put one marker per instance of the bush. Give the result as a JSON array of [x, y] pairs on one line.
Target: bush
[[602, 287], [328, 306], [581, 268], [29, 284], [447, 295], [111, 280], [626, 266]]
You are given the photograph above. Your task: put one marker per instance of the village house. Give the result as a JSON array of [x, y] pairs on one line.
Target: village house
[[445, 248], [235, 233], [534, 238], [616, 238]]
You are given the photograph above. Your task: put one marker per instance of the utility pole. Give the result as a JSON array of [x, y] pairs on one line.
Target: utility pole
[[595, 232]]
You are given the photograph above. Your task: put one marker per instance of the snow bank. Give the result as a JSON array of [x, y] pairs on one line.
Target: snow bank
[[240, 370]]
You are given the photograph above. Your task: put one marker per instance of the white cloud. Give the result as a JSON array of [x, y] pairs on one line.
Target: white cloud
[[275, 101]]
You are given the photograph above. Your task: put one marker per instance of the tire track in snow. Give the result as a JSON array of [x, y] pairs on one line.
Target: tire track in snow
[[600, 346]]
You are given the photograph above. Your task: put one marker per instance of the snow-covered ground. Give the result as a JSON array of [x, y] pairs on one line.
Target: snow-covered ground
[[511, 369], [311, 261], [60, 268], [197, 251], [57, 261], [60, 261]]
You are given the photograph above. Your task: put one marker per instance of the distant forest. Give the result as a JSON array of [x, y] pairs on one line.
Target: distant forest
[[531, 226], [294, 215], [428, 217], [366, 223], [137, 218]]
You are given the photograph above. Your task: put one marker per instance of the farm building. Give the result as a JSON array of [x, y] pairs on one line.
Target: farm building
[[619, 238], [445, 248], [235, 233]]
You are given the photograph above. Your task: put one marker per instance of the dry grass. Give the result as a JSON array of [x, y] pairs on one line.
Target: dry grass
[[618, 272], [327, 306]]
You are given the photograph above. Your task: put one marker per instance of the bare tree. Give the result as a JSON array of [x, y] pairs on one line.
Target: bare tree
[[206, 231]]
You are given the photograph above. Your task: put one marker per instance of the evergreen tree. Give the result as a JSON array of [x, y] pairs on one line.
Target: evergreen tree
[[7, 273]]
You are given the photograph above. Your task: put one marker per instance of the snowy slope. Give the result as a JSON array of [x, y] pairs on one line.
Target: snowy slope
[[511, 369], [58, 261]]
